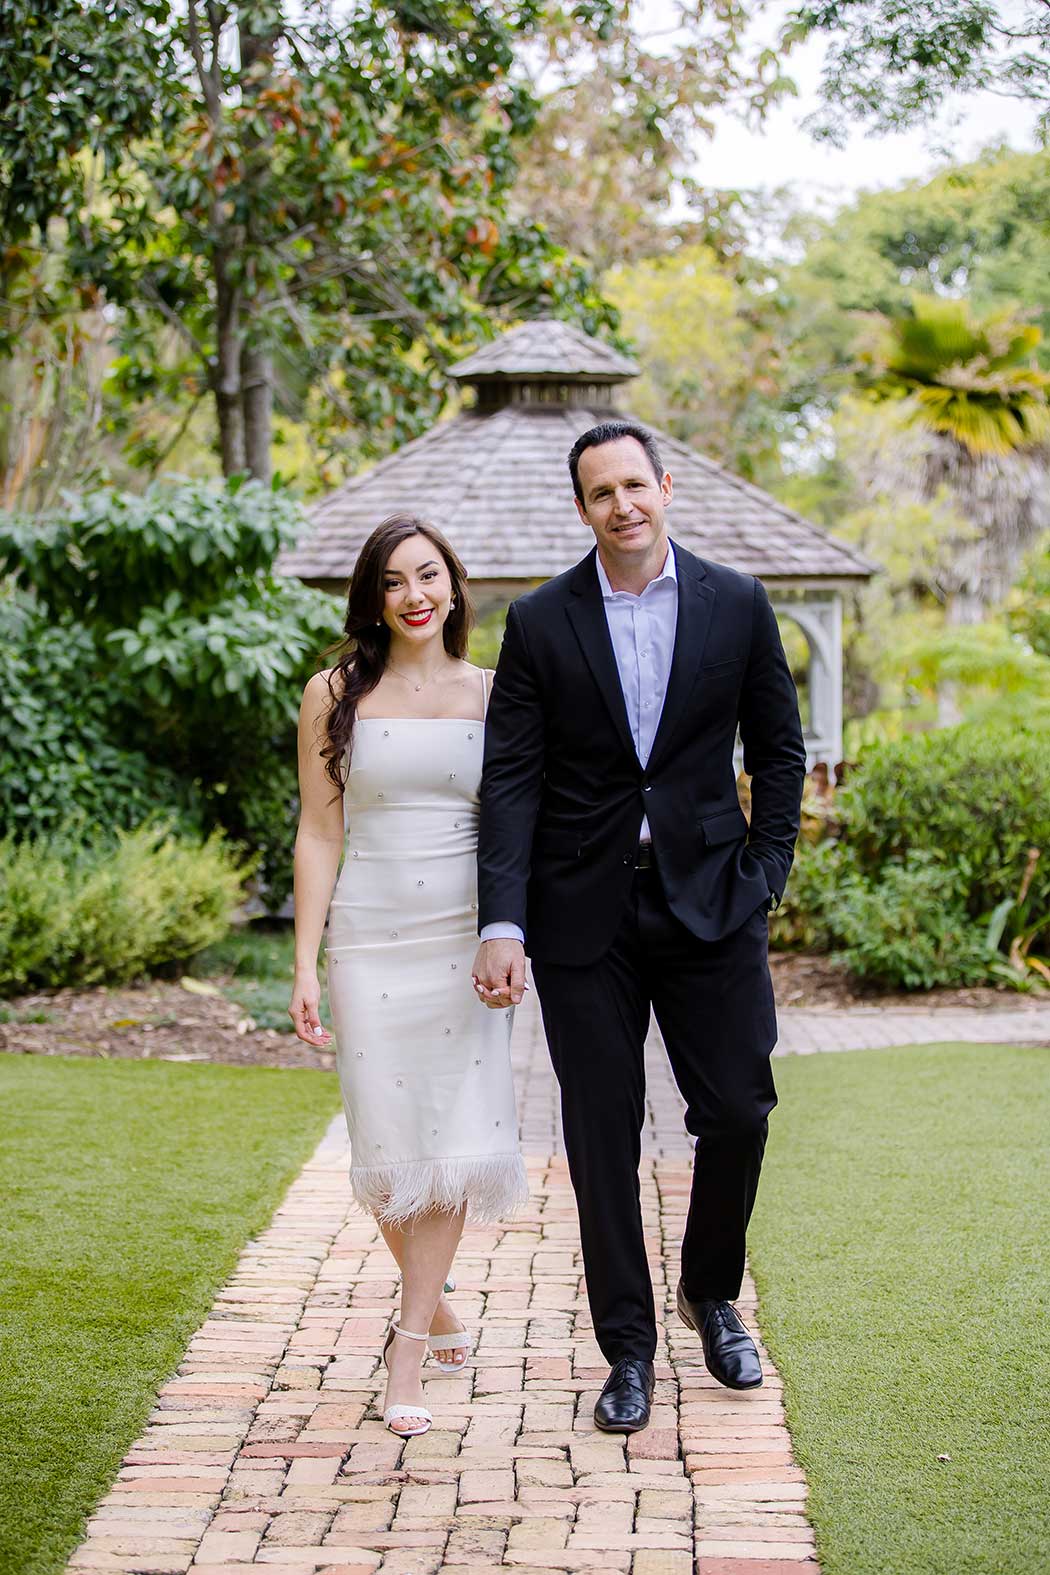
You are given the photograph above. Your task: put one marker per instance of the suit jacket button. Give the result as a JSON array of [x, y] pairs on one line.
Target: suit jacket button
[[647, 787], [627, 858]]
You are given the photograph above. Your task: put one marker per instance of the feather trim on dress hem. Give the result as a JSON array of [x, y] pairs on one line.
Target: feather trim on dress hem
[[492, 1187]]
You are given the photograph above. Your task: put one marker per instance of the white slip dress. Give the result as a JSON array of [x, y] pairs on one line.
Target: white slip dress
[[424, 1067]]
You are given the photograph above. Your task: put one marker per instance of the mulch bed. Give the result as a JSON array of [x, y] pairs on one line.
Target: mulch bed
[[168, 1022], [800, 979], [157, 1020]]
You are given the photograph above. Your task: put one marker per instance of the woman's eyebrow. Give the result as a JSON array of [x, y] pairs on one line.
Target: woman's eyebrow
[[396, 574]]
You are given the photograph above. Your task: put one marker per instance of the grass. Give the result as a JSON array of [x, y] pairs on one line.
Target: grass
[[899, 1250], [258, 959], [129, 1188]]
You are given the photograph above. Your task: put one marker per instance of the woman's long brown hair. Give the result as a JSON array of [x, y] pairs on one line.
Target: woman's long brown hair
[[361, 655]]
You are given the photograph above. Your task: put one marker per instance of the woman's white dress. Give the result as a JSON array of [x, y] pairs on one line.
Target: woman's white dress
[[424, 1067]]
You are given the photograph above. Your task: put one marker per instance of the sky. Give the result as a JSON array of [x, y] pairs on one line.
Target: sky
[[782, 153]]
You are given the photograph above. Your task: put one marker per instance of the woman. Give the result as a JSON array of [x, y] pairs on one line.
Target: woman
[[390, 751]]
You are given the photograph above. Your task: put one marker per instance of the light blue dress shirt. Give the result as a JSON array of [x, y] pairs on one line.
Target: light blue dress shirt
[[642, 629]]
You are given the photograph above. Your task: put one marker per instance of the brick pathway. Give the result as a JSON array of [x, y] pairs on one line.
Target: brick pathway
[[265, 1450], [872, 1027]]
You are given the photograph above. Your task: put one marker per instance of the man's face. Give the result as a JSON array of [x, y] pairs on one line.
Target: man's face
[[623, 502]]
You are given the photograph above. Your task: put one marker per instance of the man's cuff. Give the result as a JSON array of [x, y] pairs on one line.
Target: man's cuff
[[502, 932]]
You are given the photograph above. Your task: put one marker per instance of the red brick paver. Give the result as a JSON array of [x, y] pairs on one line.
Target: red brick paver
[[265, 1451]]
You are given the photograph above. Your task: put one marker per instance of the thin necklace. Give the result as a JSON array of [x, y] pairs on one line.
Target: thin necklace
[[417, 687]]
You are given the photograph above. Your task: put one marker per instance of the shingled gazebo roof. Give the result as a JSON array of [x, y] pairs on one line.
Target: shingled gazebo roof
[[545, 348], [495, 479]]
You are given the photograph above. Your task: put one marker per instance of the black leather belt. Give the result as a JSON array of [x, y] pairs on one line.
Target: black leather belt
[[644, 860]]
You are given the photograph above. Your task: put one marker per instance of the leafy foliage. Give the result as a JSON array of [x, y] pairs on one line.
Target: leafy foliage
[[909, 927], [971, 380], [707, 345], [105, 912], [621, 108], [999, 674], [894, 65], [978, 797], [93, 60], [941, 864], [195, 655], [65, 759], [312, 208], [1029, 615]]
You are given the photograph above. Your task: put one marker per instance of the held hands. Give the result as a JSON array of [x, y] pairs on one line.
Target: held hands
[[305, 1011], [499, 973]]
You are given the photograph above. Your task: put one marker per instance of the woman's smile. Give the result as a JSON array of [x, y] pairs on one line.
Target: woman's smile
[[418, 620]]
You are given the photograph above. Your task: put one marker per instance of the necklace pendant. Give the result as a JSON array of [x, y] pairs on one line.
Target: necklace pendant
[[418, 688]]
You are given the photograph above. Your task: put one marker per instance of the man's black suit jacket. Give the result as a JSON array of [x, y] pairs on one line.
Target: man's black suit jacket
[[563, 792]]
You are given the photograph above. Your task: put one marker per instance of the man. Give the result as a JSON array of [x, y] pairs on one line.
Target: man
[[613, 839]]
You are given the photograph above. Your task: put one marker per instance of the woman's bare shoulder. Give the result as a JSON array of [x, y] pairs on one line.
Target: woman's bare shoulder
[[323, 685]]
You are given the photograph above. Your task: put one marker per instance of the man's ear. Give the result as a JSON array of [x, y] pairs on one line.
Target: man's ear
[[667, 487], [581, 511]]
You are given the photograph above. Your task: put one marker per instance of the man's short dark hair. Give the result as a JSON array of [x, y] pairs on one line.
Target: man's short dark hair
[[610, 432]]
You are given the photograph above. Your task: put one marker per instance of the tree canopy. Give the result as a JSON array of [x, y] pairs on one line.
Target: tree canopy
[[893, 64], [309, 205]]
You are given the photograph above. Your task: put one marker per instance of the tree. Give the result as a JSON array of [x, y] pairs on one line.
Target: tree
[[621, 105], [313, 209], [894, 64], [979, 230], [70, 95], [707, 345], [969, 386]]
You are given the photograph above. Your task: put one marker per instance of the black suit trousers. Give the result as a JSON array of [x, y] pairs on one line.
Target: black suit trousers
[[713, 1002]]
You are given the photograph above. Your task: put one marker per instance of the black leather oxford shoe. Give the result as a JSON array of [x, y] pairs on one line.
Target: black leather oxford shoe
[[729, 1351], [624, 1404]]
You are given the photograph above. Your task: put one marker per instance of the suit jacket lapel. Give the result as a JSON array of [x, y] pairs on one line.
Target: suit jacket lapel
[[696, 605], [587, 616]]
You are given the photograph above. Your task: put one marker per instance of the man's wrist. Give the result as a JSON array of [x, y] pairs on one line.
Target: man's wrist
[[502, 930]]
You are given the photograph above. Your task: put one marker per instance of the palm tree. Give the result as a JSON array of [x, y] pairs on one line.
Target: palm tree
[[969, 385]]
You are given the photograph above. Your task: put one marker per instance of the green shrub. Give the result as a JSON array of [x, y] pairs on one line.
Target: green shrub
[[114, 910], [907, 926], [156, 660], [801, 922], [942, 862], [64, 753], [977, 797]]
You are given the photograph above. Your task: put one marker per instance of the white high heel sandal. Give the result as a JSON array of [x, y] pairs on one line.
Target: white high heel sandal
[[458, 1340], [404, 1413]]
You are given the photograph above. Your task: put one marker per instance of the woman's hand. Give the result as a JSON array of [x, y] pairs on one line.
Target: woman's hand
[[305, 1011]]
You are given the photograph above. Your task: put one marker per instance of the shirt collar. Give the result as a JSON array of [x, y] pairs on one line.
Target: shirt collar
[[668, 572]]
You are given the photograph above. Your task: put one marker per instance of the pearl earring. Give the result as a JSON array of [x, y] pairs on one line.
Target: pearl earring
[[451, 604]]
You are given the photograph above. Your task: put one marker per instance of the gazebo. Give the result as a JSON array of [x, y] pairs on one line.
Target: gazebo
[[495, 478]]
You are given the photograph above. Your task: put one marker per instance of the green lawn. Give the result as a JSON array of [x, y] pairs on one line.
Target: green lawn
[[128, 1189], [900, 1250]]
